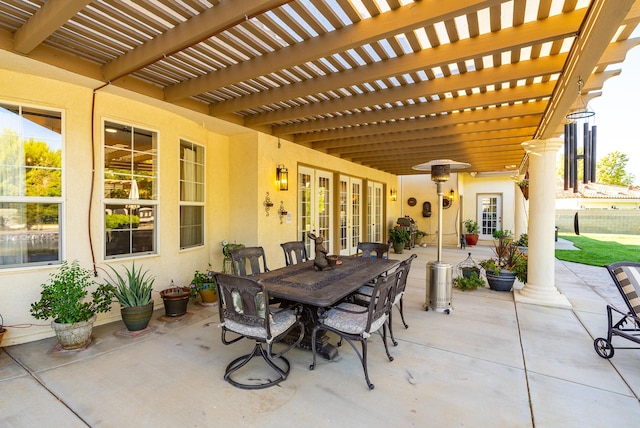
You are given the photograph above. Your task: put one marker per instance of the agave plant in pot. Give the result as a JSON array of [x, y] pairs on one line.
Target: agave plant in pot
[[133, 292], [64, 298]]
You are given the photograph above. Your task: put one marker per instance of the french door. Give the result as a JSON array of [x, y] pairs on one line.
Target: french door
[[315, 206], [350, 214], [489, 214], [374, 212]]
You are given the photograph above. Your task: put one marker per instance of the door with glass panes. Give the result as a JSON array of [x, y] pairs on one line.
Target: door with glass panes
[[350, 214], [315, 207], [375, 224], [489, 214]]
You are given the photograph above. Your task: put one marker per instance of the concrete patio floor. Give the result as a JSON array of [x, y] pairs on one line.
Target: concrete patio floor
[[490, 363]]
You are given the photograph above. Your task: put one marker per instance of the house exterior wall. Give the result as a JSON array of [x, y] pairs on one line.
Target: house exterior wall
[[472, 187], [240, 169]]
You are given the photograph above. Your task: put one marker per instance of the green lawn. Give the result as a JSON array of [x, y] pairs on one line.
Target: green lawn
[[601, 249]]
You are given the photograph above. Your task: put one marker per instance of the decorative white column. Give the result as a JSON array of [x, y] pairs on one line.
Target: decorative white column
[[540, 287], [521, 208]]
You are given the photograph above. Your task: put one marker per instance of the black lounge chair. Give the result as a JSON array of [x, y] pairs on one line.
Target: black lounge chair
[[626, 276]]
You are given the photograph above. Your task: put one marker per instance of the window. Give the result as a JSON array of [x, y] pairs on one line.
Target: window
[[30, 185], [130, 190], [191, 195]]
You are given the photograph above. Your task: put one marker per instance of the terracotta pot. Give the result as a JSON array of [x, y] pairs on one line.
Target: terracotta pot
[[75, 335], [471, 239], [137, 318]]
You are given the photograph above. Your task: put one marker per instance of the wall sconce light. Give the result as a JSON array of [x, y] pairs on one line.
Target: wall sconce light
[[267, 204], [393, 195], [282, 212], [282, 177], [452, 192]]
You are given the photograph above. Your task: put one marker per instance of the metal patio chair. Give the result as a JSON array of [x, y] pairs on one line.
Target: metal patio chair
[[353, 322], [243, 312], [377, 250], [294, 252], [626, 276], [248, 257]]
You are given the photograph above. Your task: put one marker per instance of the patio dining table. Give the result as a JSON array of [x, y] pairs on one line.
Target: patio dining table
[[318, 290]]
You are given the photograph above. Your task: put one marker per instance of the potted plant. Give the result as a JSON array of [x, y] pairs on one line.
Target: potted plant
[[133, 292], [204, 285], [509, 264], [524, 187], [471, 282], [64, 298], [522, 243], [227, 247], [399, 238], [175, 300], [471, 231]]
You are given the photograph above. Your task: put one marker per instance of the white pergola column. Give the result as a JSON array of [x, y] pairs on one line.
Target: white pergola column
[[540, 287], [520, 216]]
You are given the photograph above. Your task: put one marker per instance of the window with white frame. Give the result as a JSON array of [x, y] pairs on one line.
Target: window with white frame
[[30, 185], [130, 190], [192, 170]]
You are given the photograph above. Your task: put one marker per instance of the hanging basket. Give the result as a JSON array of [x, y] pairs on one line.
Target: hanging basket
[[525, 191]]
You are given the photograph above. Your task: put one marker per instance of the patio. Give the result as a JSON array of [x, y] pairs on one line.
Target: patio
[[490, 363]]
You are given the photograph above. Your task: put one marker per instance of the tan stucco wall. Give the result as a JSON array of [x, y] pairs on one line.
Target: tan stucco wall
[[482, 185], [240, 170], [423, 190]]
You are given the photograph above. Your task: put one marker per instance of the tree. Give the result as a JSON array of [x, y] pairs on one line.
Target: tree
[[611, 169]]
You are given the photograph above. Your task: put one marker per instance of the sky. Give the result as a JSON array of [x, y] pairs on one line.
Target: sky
[[618, 114]]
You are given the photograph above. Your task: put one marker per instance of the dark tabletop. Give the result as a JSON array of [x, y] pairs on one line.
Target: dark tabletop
[[302, 283]]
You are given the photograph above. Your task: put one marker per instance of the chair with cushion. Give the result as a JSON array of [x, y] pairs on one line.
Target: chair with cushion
[[376, 250], [294, 252], [363, 295], [353, 322], [626, 276], [248, 261], [243, 312]]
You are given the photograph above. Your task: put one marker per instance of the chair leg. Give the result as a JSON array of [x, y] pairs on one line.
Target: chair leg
[[258, 350], [384, 340], [363, 360], [390, 322], [401, 308]]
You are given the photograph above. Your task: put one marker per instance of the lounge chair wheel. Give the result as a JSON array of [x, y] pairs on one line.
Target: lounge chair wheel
[[603, 347]]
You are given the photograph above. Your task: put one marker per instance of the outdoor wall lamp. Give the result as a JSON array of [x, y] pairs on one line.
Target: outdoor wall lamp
[[282, 177], [393, 195]]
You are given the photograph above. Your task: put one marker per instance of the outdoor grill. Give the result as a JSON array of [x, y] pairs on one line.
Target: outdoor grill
[[407, 222]]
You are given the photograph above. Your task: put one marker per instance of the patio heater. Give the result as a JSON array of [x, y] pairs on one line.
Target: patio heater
[[438, 272]]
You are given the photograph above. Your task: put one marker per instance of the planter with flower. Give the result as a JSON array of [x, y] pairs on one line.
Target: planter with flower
[[524, 187], [65, 299], [508, 264], [204, 285]]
